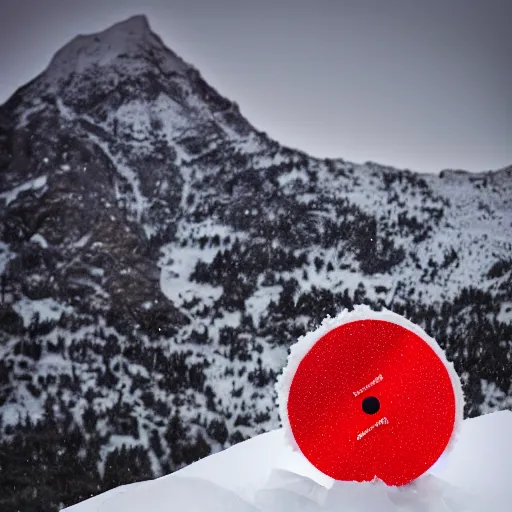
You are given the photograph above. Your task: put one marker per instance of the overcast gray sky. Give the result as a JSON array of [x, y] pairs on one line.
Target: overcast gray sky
[[422, 84]]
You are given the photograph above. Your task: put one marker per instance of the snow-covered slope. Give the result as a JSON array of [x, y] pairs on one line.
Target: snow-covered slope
[[159, 254], [264, 474]]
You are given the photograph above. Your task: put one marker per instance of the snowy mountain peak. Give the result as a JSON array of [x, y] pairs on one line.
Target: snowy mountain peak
[[123, 44], [138, 23]]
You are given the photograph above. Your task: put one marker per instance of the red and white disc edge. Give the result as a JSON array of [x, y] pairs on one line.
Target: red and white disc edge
[[360, 312]]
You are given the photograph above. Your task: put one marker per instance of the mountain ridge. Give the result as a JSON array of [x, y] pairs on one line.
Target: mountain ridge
[[138, 28]]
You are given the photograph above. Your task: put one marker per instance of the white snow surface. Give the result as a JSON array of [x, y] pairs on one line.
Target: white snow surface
[[265, 474], [48, 309], [33, 184]]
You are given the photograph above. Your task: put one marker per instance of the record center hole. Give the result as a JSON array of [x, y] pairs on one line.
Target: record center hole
[[371, 405]]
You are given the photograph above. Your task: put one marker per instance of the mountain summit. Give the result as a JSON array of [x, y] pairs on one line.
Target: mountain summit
[[129, 47], [158, 255]]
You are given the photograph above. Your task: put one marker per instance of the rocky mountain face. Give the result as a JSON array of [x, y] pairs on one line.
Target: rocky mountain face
[[158, 255]]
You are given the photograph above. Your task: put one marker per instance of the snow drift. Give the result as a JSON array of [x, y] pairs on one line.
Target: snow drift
[[265, 474]]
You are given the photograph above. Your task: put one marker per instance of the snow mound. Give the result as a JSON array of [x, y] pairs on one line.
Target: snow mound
[[265, 474]]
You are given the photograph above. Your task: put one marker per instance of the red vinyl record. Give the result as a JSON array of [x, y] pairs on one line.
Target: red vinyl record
[[372, 398]]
